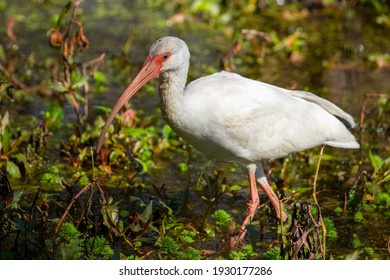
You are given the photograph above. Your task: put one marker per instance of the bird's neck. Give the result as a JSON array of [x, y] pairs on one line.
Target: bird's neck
[[171, 90]]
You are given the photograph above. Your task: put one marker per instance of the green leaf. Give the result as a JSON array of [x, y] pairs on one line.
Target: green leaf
[[120, 226], [69, 232], [169, 245], [135, 132], [135, 227], [245, 253], [79, 82], [210, 232], [358, 217], [273, 254], [253, 233], [186, 239], [376, 161], [209, 7], [15, 199], [5, 133], [5, 139], [167, 207], [167, 132], [22, 159], [84, 180], [100, 77], [356, 243], [386, 179], [147, 213], [24, 136], [134, 198], [183, 167], [124, 213], [4, 121], [105, 109], [110, 215], [331, 231], [58, 87], [369, 251], [222, 218], [235, 188], [64, 11], [47, 177], [53, 116], [144, 166], [114, 155], [189, 253], [3, 56], [6, 90], [13, 169]]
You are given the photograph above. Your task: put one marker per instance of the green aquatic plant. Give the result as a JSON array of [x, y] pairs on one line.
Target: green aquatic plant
[[168, 245], [97, 247], [71, 41], [245, 253], [21, 147], [6, 88], [222, 218], [74, 246], [381, 174], [189, 253], [273, 254], [331, 230]]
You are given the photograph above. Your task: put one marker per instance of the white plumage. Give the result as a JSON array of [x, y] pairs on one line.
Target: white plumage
[[247, 121]]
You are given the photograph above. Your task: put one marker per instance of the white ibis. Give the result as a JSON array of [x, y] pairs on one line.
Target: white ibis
[[236, 119]]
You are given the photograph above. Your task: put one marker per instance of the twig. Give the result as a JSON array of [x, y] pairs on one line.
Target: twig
[[92, 184], [74, 199], [34, 202], [93, 163], [304, 230], [316, 175], [345, 205], [87, 207], [67, 46], [255, 33], [11, 77], [281, 217], [74, 15], [316, 202]]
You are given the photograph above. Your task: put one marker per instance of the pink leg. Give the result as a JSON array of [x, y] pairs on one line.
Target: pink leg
[[262, 180], [253, 204], [271, 196]]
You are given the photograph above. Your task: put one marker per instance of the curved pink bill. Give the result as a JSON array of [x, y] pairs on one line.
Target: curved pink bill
[[150, 69]]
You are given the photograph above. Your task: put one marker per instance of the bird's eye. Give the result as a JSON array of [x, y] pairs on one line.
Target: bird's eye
[[165, 56]]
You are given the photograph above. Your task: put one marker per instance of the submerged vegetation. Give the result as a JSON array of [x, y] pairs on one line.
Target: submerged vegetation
[[147, 195]]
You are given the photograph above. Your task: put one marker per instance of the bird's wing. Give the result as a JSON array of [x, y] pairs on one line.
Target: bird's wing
[[325, 104], [255, 120]]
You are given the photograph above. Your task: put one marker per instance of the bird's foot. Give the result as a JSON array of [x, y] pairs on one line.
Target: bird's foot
[[251, 210], [236, 239]]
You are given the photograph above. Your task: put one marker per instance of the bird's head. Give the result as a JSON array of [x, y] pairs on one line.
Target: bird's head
[[166, 54]]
